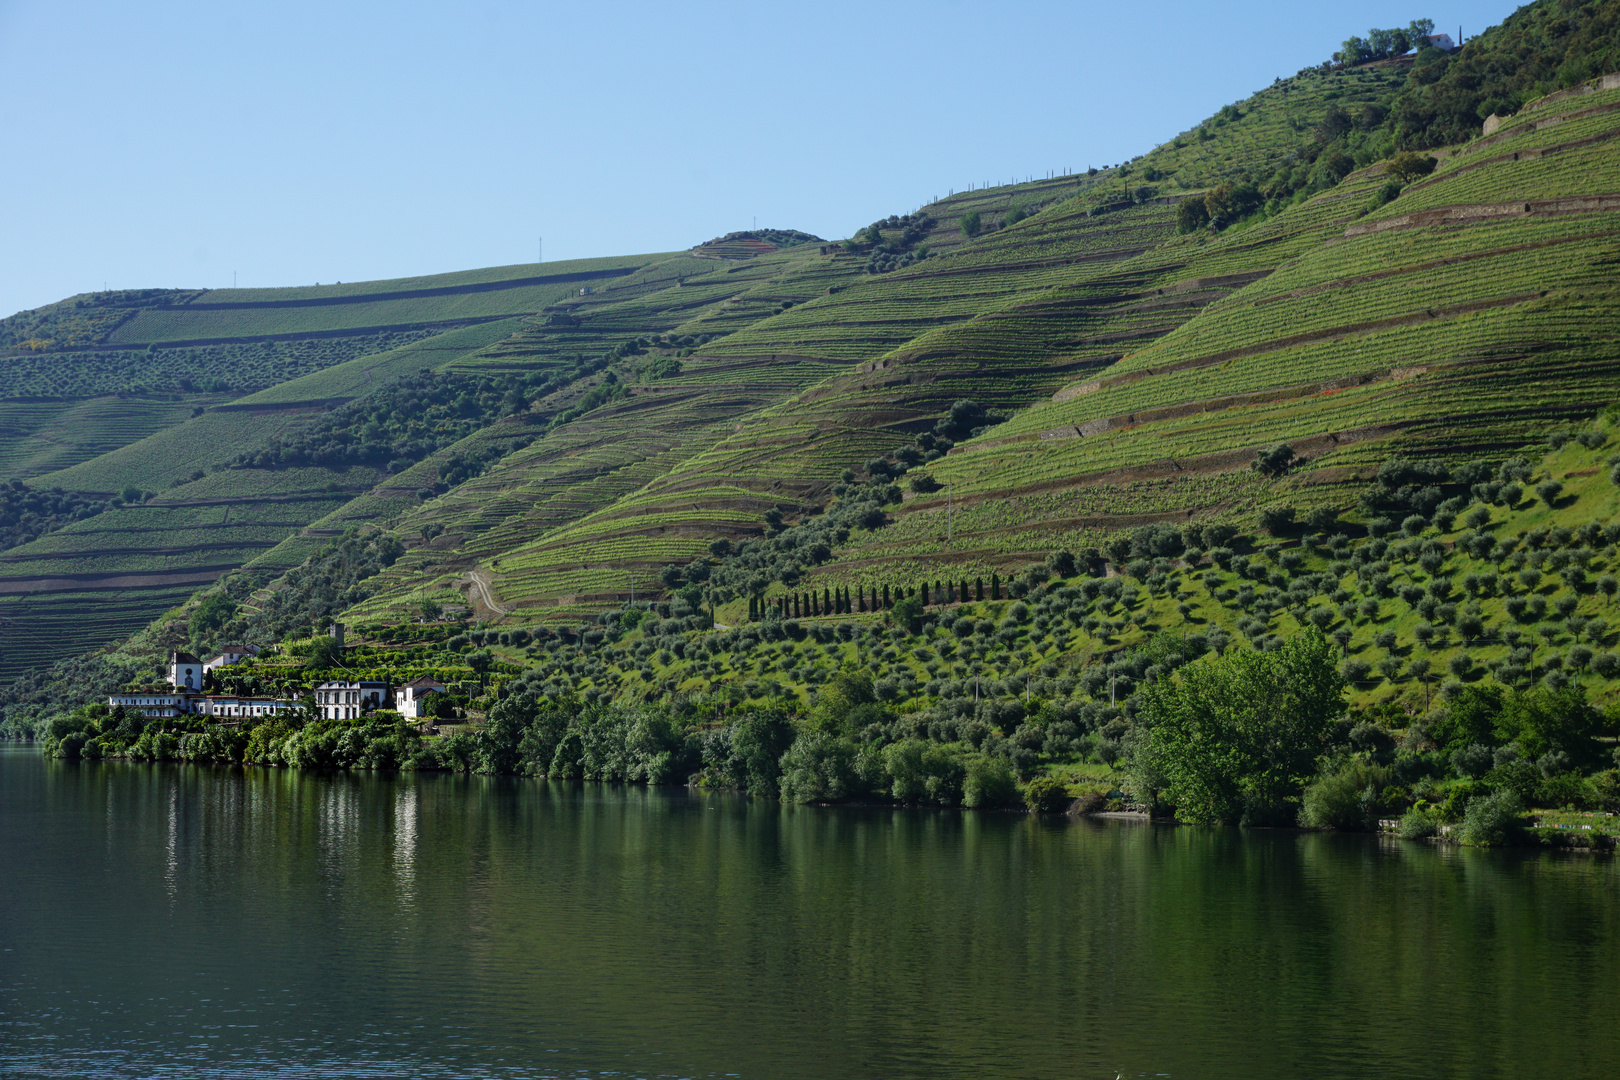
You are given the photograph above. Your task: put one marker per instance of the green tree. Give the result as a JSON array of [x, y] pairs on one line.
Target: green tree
[[842, 699], [1191, 214], [1543, 720], [214, 612], [1274, 461], [907, 613], [1237, 737], [1409, 166], [970, 223]]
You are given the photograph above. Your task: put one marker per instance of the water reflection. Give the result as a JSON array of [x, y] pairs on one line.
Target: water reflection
[[266, 921]]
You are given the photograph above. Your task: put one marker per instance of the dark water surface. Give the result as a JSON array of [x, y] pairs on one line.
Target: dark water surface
[[175, 921]]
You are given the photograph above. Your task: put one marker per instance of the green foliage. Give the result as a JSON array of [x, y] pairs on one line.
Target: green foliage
[[1409, 166], [1544, 720], [27, 514], [1492, 820], [403, 422], [820, 767], [923, 772], [333, 579], [1538, 48], [1046, 795], [989, 782], [1237, 738], [1192, 214], [970, 223], [1346, 798]]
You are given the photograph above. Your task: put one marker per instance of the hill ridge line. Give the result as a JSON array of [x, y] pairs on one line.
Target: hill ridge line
[[404, 294]]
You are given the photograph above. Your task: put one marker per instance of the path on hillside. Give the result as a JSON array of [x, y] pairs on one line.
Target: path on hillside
[[478, 594]]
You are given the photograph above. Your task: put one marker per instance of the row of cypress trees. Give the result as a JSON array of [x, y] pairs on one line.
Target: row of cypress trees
[[837, 601]]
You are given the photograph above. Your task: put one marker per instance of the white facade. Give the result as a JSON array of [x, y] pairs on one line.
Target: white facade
[[185, 671], [350, 700], [234, 709], [153, 704], [228, 655], [1442, 41], [411, 699]]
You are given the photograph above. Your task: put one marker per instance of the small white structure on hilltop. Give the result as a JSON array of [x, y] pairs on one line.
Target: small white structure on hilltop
[[185, 671], [1441, 41], [412, 699], [226, 655], [343, 700]]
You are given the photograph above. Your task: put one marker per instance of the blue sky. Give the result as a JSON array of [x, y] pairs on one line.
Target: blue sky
[[171, 143]]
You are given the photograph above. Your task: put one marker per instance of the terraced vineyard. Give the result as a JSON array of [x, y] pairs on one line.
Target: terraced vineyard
[[1134, 362]]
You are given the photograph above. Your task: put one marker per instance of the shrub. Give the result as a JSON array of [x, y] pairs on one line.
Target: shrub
[[819, 767], [1418, 823], [989, 782], [1347, 799], [1046, 795], [1492, 820], [1191, 214]]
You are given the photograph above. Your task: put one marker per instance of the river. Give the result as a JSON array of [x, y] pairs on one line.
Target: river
[[161, 921]]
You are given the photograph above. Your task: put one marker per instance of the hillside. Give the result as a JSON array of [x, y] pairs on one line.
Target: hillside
[[545, 442]]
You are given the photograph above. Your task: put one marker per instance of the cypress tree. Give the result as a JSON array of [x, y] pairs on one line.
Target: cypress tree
[[750, 609], [964, 591], [885, 597], [795, 605], [826, 600], [995, 586], [860, 597]]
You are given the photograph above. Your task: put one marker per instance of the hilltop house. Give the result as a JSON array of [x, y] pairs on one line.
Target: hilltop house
[[411, 699], [348, 700], [227, 655], [1442, 42]]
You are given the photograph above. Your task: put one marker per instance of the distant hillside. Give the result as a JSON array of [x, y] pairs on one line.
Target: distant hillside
[[1343, 262]]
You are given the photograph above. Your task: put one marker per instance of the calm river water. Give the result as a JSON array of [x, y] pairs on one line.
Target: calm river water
[[164, 921]]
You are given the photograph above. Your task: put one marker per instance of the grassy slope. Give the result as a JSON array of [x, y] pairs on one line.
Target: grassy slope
[[1456, 339], [268, 521], [1051, 643], [986, 320]]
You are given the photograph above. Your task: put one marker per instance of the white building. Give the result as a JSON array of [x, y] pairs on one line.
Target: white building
[[412, 699], [185, 671], [226, 655], [153, 703], [348, 700], [1442, 41], [235, 708]]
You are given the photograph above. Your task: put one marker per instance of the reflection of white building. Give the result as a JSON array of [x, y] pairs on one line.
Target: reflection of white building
[[412, 699], [185, 671]]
